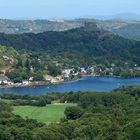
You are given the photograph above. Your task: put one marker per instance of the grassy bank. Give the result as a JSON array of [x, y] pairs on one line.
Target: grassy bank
[[48, 114]]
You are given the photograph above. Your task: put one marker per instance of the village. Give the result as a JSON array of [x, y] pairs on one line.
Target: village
[[66, 75], [69, 74]]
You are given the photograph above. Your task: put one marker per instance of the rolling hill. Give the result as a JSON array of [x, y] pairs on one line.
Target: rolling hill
[[131, 31], [75, 44], [39, 26], [89, 43]]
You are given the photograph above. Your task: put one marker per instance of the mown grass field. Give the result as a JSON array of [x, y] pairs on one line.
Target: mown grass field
[[48, 114]]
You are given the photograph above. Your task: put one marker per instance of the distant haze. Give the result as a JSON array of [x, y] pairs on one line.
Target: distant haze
[[63, 9]]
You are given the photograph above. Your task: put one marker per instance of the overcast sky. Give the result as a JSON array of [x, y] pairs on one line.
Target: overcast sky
[[14, 9]]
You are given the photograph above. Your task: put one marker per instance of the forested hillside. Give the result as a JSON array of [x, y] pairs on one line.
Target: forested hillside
[[53, 51], [89, 44], [131, 31], [8, 56]]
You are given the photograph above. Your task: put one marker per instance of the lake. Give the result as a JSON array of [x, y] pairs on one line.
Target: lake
[[87, 83]]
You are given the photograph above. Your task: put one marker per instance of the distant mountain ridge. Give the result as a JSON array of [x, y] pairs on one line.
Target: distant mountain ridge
[[39, 26], [126, 28], [124, 16], [129, 16], [36, 26]]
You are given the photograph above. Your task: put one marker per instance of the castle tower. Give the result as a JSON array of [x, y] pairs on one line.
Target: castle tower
[[91, 26]]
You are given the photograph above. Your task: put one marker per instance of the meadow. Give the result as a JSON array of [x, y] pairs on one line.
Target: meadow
[[48, 114]]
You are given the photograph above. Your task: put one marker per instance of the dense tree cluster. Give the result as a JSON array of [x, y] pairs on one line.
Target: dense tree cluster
[[27, 99], [94, 43]]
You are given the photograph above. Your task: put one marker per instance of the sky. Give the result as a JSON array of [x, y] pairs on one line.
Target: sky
[[49, 9]]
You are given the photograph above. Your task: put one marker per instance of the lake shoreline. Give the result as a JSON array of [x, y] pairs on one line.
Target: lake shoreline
[[41, 83], [87, 83]]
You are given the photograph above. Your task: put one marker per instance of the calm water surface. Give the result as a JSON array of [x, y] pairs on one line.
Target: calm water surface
[[88, 83]]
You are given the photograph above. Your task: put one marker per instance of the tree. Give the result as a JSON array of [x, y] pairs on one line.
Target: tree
[[54, 70], [73, 112], [19, 64], [38, 76], [41, 102], [27, 64]]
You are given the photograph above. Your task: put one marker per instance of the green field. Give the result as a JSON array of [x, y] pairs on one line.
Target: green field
[[48, 114]]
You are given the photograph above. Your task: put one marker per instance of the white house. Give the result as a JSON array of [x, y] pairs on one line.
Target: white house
[[25, 82], [67, 72], [3, 79], [83, 70], [10, 83], [48, 78], [31, 78]]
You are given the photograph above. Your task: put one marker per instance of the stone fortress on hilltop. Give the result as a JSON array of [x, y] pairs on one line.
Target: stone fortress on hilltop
[[91, 26]]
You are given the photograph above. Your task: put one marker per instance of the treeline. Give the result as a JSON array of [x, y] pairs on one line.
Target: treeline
[[27, 99], [117, 96], [130, 90]]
